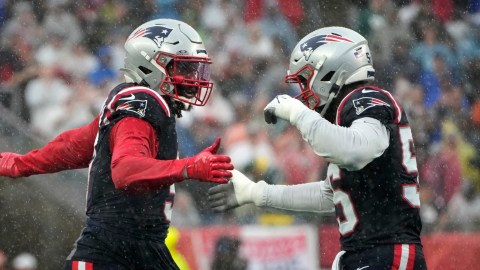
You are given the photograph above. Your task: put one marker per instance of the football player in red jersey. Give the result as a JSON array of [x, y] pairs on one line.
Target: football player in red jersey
[[372, 180], [131, 151]]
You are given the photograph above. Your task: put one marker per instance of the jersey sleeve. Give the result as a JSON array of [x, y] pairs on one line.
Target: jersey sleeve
[[72, 149], [309, 197], [368, 102], [133, 144]]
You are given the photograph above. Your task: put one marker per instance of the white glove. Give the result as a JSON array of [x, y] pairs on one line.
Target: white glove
[[284, 107], [238, 191]]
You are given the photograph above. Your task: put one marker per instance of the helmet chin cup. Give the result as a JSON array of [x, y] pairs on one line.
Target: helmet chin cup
[[178, 79]]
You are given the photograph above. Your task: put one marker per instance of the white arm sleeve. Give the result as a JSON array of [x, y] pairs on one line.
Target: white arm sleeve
[[310, 197], [351, 148]]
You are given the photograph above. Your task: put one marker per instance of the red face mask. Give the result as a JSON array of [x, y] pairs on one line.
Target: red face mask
[[303, 78], [187, 79]]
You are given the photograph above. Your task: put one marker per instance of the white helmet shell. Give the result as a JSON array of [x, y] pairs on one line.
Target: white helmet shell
[[325, 60], [155, 45]]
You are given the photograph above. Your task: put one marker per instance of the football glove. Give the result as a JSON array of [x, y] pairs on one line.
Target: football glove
[[238, 191], [7, 165], [206, 166], [284, 107]]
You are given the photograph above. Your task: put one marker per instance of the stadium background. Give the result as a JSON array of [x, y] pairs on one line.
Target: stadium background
[[59, 58]]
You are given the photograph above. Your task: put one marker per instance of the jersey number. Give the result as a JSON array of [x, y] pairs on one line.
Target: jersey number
[[409, 162], [409, 192], [167, 211], [351, 220]]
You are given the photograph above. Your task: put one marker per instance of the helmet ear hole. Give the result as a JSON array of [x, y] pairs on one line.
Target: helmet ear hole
[[145, 70], [328, 76]]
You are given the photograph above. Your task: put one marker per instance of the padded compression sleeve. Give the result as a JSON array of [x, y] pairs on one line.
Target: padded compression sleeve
[[72, 149], [351, 147], [310, 197], [134, 144]]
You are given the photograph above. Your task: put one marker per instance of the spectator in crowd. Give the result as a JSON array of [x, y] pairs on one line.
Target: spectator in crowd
[[78, 63], [185, 213], [400, 65], [47, 97], [227, 255], [422, 126], [432, 209], [24, 23], [59, 19], [435, 81], [17, 69], [463, 211], [216, 14], [275, 25], [443, 171], [376, 22], [429, 48], [104, 73], [54, 51]]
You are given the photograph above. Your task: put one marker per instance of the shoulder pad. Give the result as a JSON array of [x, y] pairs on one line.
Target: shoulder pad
[[371, 102], [135, 101]]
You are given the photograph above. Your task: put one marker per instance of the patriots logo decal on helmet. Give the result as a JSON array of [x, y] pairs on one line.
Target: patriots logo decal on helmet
[[314, 42], [157, 33], [364, 103]]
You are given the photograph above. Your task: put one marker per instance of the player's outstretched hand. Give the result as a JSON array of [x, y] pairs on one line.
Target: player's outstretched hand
[[222, 197], [7, 165], [207, 166], [238, 191], [284, 107]]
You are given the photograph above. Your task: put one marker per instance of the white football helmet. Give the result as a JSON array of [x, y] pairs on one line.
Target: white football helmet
[[170, 55], [327, 59]]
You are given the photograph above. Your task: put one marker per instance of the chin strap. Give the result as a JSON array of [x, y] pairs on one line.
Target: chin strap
[[327, 104], [334, 91]]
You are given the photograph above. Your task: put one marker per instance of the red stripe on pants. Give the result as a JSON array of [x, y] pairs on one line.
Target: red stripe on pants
[[397, 255]]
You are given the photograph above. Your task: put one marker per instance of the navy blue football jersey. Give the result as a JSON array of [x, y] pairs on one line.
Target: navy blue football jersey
[[378, 204], [145, 215]]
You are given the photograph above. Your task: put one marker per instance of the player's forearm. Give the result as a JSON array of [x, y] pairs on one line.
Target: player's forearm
[[72, 149], [309, 197], [351, 148], [139, 173]]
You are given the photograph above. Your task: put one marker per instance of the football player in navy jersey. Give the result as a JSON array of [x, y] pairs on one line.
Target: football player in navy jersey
[[372, 180], [131, 151]]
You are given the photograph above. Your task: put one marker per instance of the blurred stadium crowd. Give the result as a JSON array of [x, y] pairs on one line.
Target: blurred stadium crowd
[[60, 58]]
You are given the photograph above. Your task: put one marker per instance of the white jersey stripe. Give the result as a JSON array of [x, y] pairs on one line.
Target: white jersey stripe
[[82, 266], [404, 257]]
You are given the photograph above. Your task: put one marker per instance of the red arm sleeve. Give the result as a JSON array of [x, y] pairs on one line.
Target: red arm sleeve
[[134, 145], [72, 149]]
